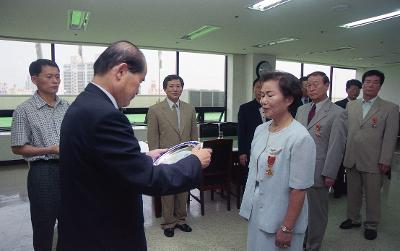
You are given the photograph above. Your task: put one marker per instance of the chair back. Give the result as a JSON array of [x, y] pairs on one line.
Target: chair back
[[229, 128], [209, 130], [219, 170]]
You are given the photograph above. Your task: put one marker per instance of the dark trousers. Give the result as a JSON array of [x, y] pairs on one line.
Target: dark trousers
[[340, 186], [44, 198]]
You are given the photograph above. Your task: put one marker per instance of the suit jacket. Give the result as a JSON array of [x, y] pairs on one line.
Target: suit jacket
[[342, 103], [103, 175], [162, 131], [328, 129], [249, 118], [371, 140]]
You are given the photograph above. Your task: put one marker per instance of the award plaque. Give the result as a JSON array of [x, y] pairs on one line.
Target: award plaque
[[176, 153]]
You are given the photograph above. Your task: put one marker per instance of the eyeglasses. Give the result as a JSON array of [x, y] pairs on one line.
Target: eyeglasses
[[49, 76]]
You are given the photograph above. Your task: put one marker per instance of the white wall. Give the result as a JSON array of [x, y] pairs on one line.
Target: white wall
[[391, 87]]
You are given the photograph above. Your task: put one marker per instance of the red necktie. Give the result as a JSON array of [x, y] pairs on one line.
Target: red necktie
[[311, 114]]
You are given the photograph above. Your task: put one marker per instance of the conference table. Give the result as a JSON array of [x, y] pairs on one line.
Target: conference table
[[157, 199]]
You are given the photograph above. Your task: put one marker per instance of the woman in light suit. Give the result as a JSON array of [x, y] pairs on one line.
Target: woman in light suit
[[281, 168]]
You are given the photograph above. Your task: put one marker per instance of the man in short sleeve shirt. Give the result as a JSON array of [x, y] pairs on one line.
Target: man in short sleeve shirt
[[35, 134]]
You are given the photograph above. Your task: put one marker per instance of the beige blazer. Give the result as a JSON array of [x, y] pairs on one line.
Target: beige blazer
[[328, 129], [371, 140], [162, 131]]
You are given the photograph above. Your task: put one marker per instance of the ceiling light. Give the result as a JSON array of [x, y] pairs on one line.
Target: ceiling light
[[200, 32], [372, 20], [279, 41], [267, 4], [78, 19], [282, 40]]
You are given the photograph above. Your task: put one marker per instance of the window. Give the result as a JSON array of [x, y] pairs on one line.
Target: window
[[309, 68], [204, 77], [339, 78], [76, 66], [290, 67], [14, 64], [159, 65]]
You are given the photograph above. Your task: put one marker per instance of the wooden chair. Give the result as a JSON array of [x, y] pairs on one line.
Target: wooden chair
[[239, 178], [209, 130], [229, 129], [218, 174]]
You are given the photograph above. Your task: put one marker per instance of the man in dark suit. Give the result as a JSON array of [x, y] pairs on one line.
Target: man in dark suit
[[249, 117], [353, 87], [304, 98], [103, 173]]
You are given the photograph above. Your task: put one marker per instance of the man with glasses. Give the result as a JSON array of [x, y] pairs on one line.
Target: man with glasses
[[35, 134], [373, 124]]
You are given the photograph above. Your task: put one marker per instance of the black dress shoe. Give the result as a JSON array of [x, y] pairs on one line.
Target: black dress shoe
[[370, 234], [184, 227], [169, 232], [347, 224], [337, 195]]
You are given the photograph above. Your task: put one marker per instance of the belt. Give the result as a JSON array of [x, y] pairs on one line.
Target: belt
[[48, 161]]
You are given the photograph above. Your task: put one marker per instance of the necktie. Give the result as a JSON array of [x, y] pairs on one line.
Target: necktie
[[176, 115], [311, 114]]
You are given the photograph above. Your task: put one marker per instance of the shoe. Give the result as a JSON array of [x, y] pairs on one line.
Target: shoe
[[184, 227], [370, 234], [169, 232], [348, 224], [337, 195]]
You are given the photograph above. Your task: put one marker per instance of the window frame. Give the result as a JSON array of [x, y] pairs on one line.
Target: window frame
[[139, 110]]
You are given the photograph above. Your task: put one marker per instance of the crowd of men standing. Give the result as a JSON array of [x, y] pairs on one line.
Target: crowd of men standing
[[355, 140]]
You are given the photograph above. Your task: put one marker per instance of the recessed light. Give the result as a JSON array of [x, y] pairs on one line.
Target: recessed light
[[372, 20], [202, 31], [267, 4], [275, 42], [78, 19]]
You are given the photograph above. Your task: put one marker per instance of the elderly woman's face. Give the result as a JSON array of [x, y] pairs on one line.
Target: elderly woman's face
[[272, 100]]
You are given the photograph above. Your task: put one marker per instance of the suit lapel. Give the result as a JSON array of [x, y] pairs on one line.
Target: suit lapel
[[322, 113], [302, 117], [358, 111], [374, 109], [169, 115], [257, 111]]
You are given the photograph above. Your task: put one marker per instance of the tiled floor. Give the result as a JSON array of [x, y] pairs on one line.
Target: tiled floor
[[218, 230]]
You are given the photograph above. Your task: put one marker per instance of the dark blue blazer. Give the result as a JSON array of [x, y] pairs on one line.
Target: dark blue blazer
[[103, 176], [342, 103], [249, 118]]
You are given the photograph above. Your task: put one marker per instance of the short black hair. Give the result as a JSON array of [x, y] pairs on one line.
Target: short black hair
[[354, 82], [304, 78], [288, 84], [170, 78], [35, 68], [374, 73], [255, 81], [319, 73], [117, 53]]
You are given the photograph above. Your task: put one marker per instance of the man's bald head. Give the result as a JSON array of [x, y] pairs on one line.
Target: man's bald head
[[117, 53]]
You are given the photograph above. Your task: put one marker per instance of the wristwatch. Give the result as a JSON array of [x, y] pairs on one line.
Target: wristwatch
[[286, 230]]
